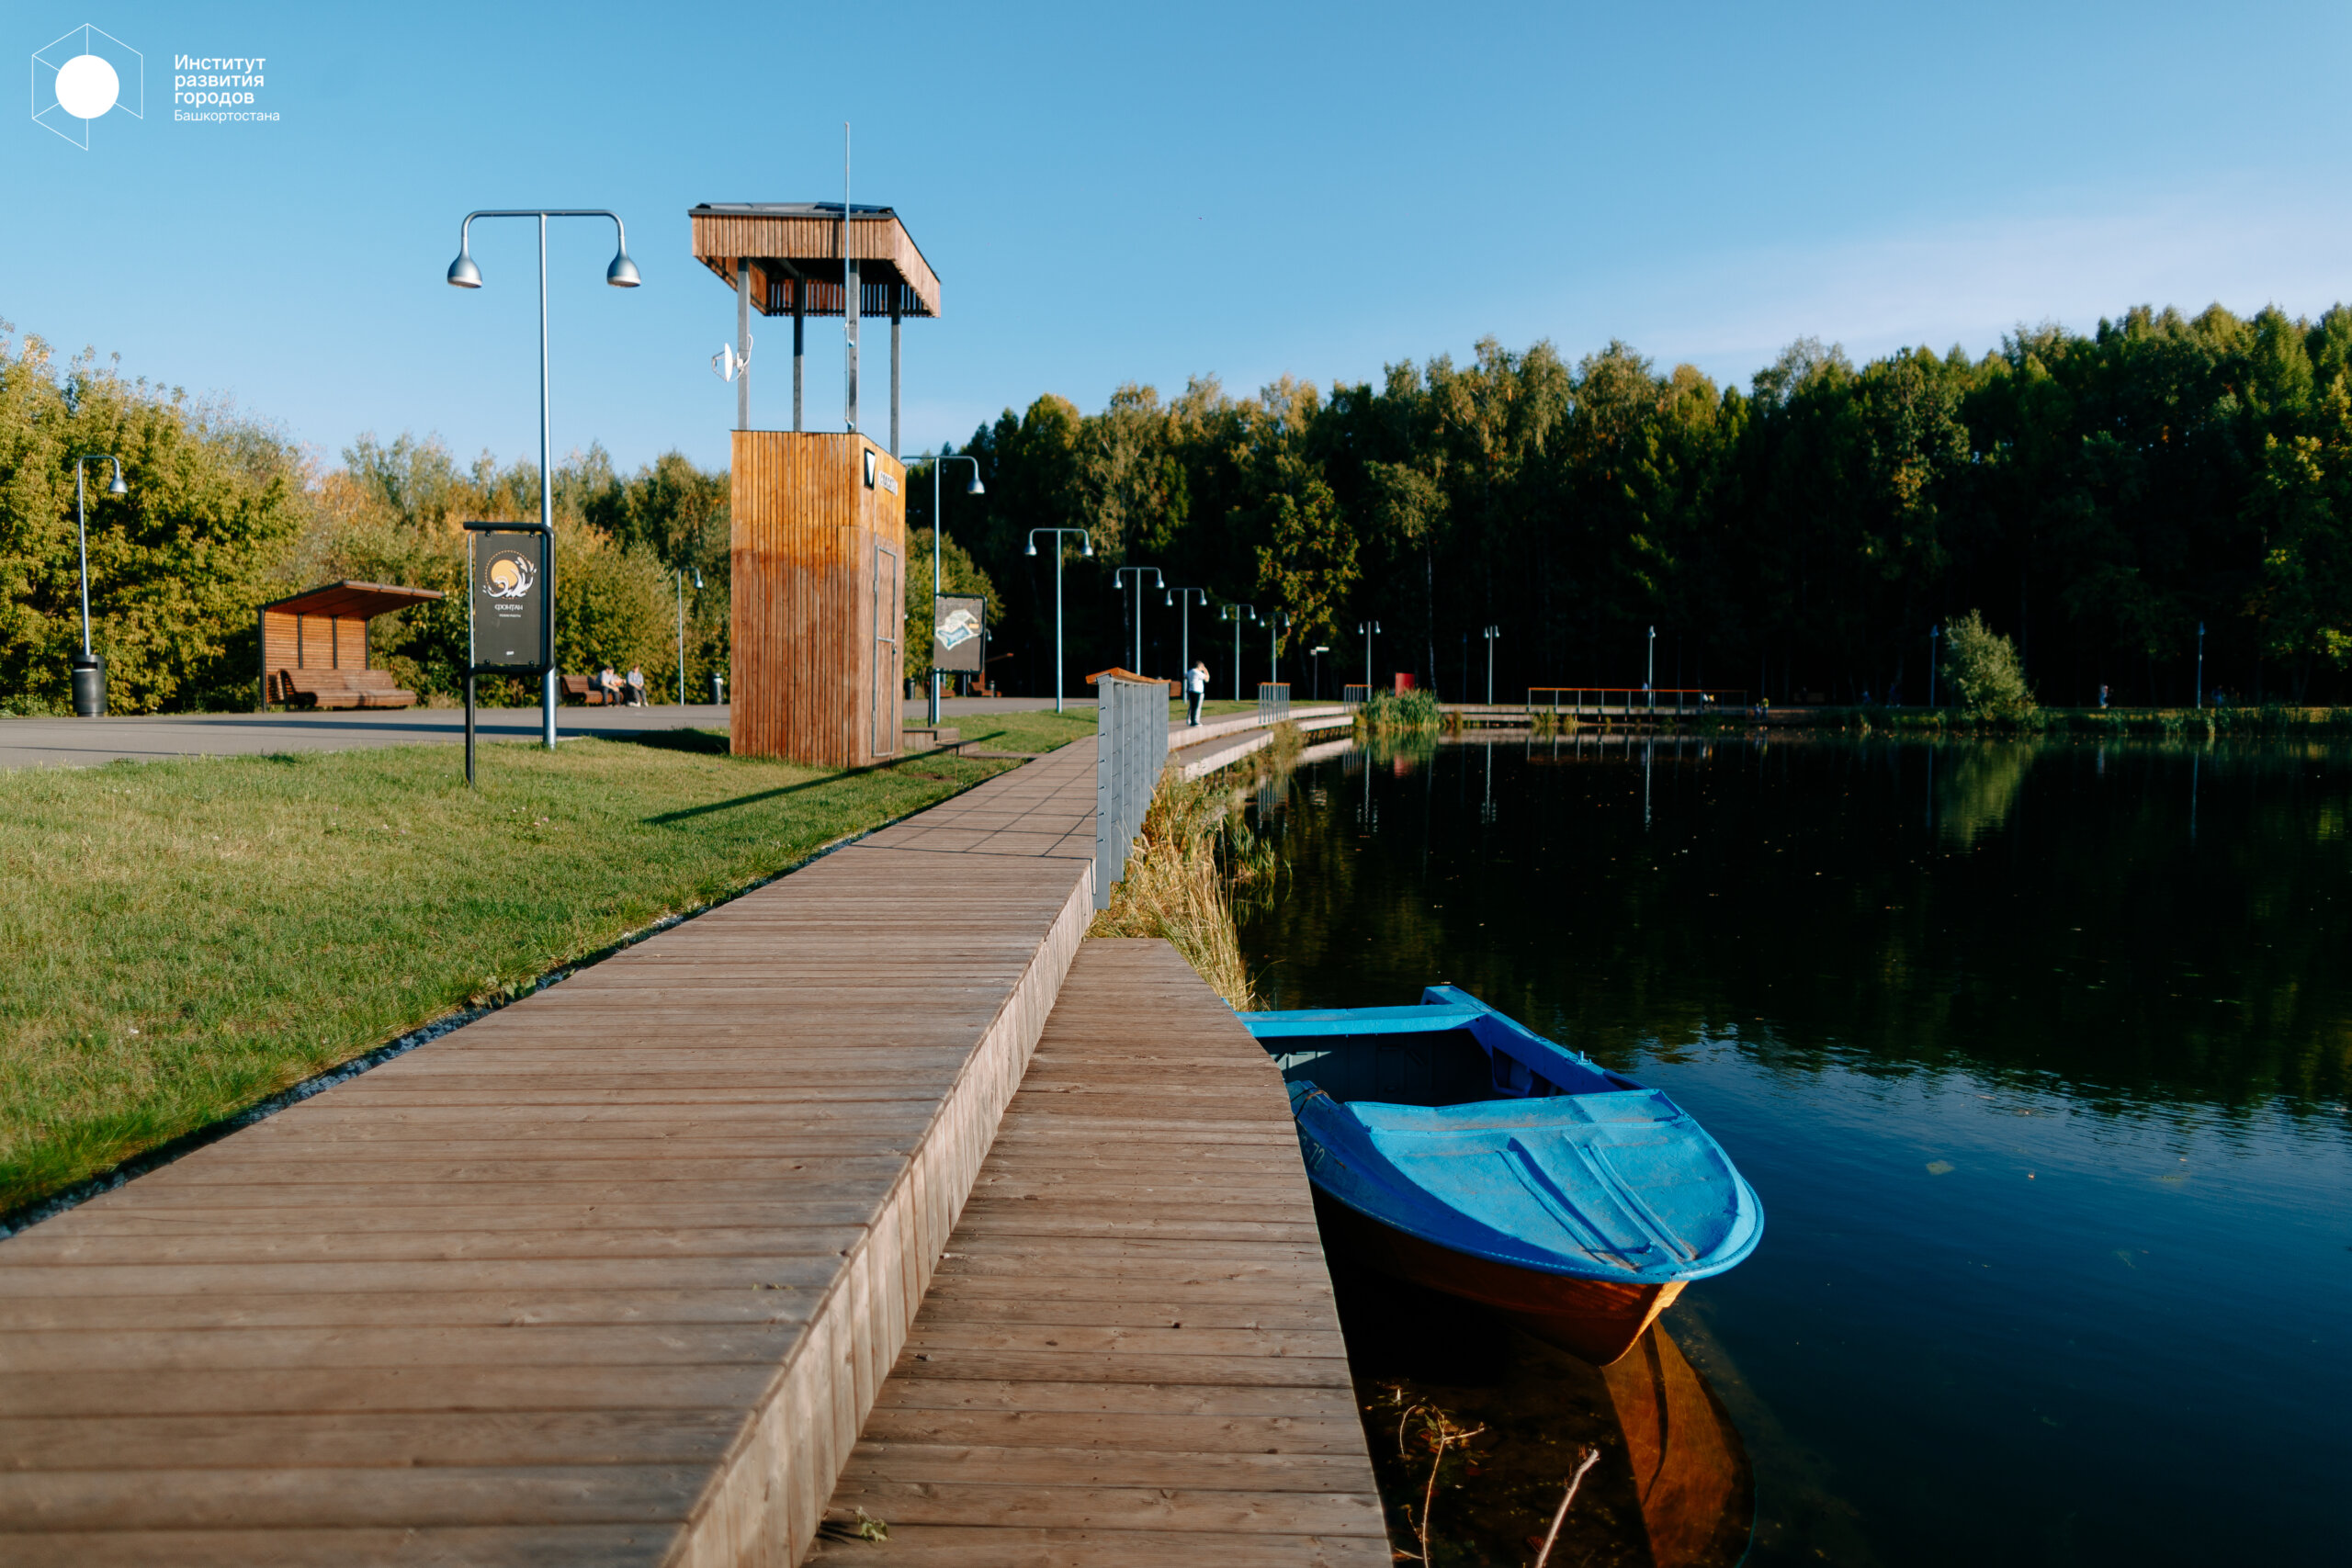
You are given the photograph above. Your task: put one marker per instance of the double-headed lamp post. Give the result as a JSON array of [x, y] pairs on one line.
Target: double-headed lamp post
[[621, 273], [1136, 573], [1237, 613], [1182, 599], [1086, 541], [89, 671], [1367, 630], [1276, 621], [1490, 634], [938, 551]]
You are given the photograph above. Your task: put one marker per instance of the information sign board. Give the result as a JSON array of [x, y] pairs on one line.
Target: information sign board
[[509, 600], [958, 632]]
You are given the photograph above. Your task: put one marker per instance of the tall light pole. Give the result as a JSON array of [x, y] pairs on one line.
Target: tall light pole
[[1234, 612], [1086, 541], [621, 273], [89, 671], [1274, 619], [1367, 630], [1157, 582], [1649, 682], [1935, 637], [682, 632], [1183, 599], [938, 553], [1490, 634], [1315, 662], [2201, 665]]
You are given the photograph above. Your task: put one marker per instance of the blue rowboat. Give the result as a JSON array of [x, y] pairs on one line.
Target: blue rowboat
[[1452, 1147]]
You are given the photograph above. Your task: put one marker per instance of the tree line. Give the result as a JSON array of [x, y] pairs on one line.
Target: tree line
[[2095, 497]]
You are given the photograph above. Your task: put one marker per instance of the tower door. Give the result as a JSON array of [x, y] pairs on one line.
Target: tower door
[[889, 613]]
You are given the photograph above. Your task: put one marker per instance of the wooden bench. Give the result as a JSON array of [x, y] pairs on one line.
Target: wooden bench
[[338, 689], [583, 689]]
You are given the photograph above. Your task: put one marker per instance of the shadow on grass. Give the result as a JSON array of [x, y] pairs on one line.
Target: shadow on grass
[[668, 818], [702, 742]]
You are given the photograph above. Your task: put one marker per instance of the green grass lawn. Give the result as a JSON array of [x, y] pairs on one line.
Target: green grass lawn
[[182, 939]]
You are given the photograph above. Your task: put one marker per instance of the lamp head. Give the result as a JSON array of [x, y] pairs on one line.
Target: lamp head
[[622, 274], [1033, 547], [463, 273], [697, 581], [118, 487], [975, 486], [1088, 541]]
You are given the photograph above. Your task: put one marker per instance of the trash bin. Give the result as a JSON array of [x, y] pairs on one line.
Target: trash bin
[[89, 686]]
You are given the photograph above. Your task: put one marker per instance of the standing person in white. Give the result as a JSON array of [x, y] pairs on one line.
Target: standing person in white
[[1196, 686]]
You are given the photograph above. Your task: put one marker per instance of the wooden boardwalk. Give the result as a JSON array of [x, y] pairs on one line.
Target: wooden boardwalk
[[1130, 1354], [611, 1276]]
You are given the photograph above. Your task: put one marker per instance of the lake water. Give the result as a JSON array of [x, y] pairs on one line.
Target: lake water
[[2039, 1057]]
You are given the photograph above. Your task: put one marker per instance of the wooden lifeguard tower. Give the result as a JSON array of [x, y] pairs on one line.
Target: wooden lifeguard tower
[[818, 534]]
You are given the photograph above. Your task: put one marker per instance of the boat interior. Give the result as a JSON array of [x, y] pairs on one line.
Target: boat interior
[[1451, 1050]]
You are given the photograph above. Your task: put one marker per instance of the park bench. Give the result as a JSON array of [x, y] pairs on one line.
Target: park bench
[[339, 689], [583, 689]]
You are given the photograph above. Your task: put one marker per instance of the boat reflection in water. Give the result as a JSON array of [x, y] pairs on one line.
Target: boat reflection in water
[[1673, 1488]]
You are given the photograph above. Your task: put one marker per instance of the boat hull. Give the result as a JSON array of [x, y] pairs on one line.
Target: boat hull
[[1597, 1320]]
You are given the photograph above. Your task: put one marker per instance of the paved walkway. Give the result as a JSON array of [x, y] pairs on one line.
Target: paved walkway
[[1130, 1354], [82, 742]]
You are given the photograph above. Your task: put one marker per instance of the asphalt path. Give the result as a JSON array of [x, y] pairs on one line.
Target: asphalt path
[[84, 742]]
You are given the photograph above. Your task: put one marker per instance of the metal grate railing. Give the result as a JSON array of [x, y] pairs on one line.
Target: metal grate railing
[[1131, 748], [1355, 695], [1273, 701]]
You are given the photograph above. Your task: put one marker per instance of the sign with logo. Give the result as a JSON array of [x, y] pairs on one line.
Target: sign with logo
[[508, 599], [958, 632], [85, 76]]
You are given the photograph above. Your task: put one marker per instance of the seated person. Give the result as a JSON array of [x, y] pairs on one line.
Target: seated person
[[635, 694], [609, 684]]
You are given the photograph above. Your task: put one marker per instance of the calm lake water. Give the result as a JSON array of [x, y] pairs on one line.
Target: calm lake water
[[2039, 1057]]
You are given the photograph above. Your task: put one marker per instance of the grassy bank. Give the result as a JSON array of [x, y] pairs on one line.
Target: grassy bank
[[183, 939], [1196, 849]]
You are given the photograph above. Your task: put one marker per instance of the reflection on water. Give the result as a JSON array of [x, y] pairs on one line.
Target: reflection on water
[[1673, 1487], [2037, 1056]]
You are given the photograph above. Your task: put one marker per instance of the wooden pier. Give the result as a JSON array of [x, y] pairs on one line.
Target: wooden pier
[[1130, 1354], [611, 1276]]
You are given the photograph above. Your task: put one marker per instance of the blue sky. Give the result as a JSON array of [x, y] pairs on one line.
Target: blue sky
[[1129, 193]]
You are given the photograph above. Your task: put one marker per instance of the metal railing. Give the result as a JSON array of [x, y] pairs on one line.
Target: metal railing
[[1273, 701], [1633, 701], [1130, 750], [1355, 693]]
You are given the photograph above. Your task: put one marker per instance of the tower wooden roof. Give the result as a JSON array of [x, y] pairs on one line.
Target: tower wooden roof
[[352, 601], [788, 241]]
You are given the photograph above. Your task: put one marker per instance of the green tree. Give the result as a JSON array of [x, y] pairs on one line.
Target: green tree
[[1982, 671]]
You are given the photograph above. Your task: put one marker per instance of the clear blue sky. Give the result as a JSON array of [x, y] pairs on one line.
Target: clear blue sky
[[1116, 193]]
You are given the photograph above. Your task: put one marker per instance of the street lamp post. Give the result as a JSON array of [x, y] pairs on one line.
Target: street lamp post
[[1234, 612], [621, 273], [1184, 598], [89, 671], [1935, 637], [1491, 634], [938, 553], [1649, 682], [1157, 582], [1367, 630], [1276, 619], [1086, 542], [682, 632], [1315, 662], [2201, 665]]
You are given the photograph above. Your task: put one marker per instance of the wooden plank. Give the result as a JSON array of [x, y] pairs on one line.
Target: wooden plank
[[1130, 1352]]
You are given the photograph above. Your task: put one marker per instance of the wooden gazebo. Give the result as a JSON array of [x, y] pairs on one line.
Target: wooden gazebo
[[315, 645]]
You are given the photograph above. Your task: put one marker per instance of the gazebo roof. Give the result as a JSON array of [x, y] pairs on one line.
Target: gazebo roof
[[788, 240], [352, 601]]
